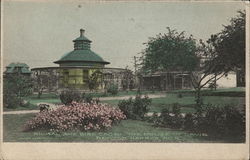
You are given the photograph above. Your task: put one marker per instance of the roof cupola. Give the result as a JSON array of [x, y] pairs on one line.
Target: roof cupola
[[82, 43], [82, 55]]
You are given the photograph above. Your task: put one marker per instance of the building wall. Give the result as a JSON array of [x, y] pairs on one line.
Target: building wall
[[57, 78], [226, 81], [166, 81], [77, 78]]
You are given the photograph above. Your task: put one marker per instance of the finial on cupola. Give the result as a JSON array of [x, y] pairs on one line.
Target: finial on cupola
[[82, 32]]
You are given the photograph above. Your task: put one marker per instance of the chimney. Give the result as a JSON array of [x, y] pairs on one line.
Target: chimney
[[82, 32]]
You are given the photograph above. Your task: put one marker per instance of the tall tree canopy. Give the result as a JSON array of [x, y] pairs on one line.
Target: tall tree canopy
[[170, 51], [15, 87], [174, 51], [229, 44]]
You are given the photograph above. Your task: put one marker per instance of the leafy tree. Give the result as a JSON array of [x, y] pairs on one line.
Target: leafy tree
[[175, 51], [127, 81], [15, 87], [40, 84], [229, 44], [95, 80], [170, 51], [44, 81], [209, 70]]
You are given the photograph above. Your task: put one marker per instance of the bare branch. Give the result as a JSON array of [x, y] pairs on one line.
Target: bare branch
[[213, 78]]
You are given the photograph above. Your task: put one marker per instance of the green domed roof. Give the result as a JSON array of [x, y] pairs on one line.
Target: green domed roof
[[81, 56], [81, 53]]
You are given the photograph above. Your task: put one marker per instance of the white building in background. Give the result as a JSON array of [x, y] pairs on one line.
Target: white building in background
[[228, 81]]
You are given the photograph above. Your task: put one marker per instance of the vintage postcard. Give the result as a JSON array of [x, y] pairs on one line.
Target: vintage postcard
[[124, 79]]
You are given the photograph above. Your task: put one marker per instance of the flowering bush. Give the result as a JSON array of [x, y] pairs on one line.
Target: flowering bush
[[83, 116]]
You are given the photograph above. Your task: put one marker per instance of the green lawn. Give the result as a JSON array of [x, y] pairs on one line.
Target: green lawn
[[126, 131], [186, 101], [33, 100], [124, 93], [233, 89], [29, 107], [48, 100]]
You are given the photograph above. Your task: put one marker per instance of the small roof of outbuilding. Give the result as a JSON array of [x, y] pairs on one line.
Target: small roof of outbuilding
[[24, 68], [18, 65]]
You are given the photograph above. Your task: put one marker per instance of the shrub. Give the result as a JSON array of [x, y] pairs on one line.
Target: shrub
[[172, 119], [135, 109], [112, 89], [224, 121], [176, 109], [234, 122], [217, 122], [189, 122], [69, 96], [25, 103], [165, 118], [179, 95], [141, 105], [82, 116], [214, 120], [126, 106], [11, 101], [177, 119], [88, 98], [152, 118]]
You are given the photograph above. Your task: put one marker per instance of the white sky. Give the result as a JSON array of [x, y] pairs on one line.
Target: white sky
[[38, 33]]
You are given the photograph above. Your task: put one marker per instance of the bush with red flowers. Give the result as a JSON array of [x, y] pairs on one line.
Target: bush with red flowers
[[76, 116]]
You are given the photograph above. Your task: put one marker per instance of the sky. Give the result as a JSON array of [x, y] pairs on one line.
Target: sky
[[40, 32]]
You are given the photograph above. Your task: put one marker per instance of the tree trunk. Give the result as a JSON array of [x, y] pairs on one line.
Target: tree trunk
[[127, 85], [140, 85], [198, 100], [215, 82], [40, 92]]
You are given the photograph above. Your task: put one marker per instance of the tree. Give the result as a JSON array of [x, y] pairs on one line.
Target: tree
[[175, 51], [15, 87], [40, 84], [170, 51], [229, 44], [44, 80], [94, 80], [223, 52], [127, 80]]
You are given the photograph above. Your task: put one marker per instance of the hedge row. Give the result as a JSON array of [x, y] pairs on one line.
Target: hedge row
[[216, 122]]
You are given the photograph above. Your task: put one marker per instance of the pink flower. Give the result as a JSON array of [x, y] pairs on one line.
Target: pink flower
[[77, 116]]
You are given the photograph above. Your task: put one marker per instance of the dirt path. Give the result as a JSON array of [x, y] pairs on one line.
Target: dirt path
[[21, 112], [127, 97], [101, 98]]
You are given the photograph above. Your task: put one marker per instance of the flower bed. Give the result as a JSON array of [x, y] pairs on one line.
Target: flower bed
[[77, 116]]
